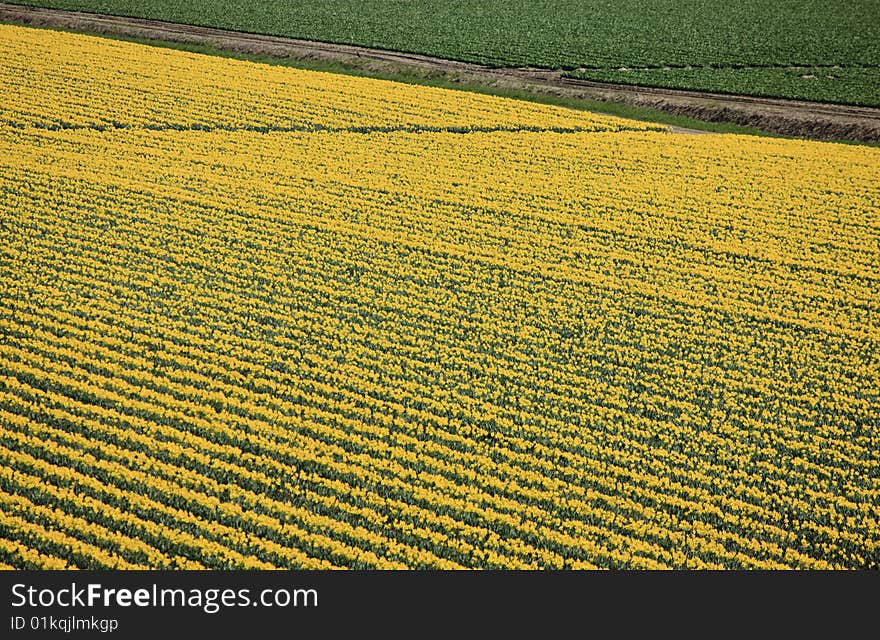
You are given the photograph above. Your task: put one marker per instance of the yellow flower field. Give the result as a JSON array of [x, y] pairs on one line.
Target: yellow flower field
[[258, 317]]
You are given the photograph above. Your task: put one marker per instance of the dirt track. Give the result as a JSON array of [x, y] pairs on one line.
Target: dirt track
[[804, 119]]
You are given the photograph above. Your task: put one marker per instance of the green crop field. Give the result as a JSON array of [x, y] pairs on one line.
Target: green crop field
[[740, 46], [831, 83]]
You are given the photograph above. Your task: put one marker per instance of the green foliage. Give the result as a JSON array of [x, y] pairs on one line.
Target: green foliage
[[825, 84]]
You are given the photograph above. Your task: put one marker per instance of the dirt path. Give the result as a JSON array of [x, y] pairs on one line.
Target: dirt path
[[789, 117]]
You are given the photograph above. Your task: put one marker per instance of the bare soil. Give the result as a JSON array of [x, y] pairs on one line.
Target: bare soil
[[822, 121]]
